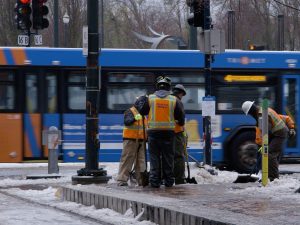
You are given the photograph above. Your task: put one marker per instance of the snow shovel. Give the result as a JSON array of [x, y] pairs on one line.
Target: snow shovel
[[249, 178], [189, 180], [145, 174]]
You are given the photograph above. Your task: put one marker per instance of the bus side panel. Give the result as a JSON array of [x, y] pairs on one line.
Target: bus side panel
[[110, 129], [111, 137], [32, 136], [73, 135], [11, 137], [48, 121]]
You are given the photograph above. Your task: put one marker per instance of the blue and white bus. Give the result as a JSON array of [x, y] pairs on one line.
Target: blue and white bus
[[43, 87]]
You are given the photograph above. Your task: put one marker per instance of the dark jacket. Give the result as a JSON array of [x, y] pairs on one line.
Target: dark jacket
[[142, 105]]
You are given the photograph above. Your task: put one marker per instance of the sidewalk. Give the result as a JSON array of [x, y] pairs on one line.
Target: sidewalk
[[193, 204]]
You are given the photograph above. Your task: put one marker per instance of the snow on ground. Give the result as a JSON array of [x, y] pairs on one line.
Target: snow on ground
[[283, 188], [51, 197]]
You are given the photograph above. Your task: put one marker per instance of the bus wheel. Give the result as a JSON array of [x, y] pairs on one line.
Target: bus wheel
[[243, 151]]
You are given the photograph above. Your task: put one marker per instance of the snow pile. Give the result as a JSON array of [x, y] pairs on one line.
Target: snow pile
[[51, 197], [203, 176], [282, 188]]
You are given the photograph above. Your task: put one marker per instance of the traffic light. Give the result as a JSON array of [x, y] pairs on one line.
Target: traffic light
[[23, 12], [197, 8], [39, 11], [254, 47], [201, 13]]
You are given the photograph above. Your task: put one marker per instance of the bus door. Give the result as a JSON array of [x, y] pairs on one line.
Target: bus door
[[40, 111], [10, 118], [51, 116], [290, 108]]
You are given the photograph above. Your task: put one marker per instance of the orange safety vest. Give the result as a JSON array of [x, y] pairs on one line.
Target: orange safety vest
[[161, 114], [277, 122], [135, 131]]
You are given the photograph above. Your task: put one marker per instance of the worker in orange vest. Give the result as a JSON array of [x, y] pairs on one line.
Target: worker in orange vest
[[162, 109], [280, 126], [133, 152], [180, 141]]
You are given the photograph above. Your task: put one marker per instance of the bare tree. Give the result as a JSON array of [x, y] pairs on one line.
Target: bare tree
[[8, 27]]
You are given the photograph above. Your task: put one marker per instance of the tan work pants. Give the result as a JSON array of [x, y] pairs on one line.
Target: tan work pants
[[133, 153]]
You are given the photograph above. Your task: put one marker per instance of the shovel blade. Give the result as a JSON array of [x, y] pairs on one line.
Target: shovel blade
[[145, 178], [246, 179], [191, 180]]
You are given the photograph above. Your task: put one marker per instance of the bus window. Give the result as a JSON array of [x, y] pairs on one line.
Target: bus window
[[231, 90], [130, 77], [230, 98], [194, 84], [193, 98], [184, 78], [76, 91], [290, 109], [7, 91], [124, 87], [51, 93], [121, 98], [31, 94]]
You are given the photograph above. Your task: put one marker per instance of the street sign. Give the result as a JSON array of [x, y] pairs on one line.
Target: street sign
[[85, 40], [23, 40], [209, 106], [38, 39]]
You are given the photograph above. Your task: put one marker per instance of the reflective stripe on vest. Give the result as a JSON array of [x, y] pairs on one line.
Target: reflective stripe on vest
[[161, 115], [276, 122], [134, 131], [178, 128]]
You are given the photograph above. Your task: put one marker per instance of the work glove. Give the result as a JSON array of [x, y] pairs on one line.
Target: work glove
[[260, 150], [292, 133], [138, 117], [185, 134]]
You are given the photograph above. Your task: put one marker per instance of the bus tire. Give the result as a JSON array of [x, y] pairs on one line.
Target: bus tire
[[243, 152]]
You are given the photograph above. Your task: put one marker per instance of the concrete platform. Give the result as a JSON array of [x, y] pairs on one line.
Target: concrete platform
[[190, 204]]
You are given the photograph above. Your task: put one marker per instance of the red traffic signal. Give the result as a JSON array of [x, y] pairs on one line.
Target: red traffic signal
[[25, 1], [23, 12]]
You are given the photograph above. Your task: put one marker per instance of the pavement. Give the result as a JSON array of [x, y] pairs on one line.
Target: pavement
[[191, 204]]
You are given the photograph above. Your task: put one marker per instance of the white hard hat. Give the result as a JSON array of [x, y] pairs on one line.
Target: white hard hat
[[247, 106]]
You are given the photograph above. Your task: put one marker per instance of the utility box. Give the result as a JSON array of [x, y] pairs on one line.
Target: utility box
[[214, 41]]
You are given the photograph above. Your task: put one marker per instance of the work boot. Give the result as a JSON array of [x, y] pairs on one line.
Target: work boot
[[180, 181], [154, 185]]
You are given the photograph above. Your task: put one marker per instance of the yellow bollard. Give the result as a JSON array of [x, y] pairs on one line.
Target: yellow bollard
[[265, 150]]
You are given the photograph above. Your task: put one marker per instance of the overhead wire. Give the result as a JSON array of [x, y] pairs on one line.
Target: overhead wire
[[289, 6]]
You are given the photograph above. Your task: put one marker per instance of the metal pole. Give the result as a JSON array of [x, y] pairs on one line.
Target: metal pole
[[53, 161], [231, 30], [207, 72], [55, 16], [280, 33], [193, 37], [65, 35], [92, 173], [92, 88], [53, 138], [102, 24]]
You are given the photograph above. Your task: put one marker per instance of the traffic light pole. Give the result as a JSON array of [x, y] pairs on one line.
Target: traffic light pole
[[207, 70], [92, 173], [207, 119]]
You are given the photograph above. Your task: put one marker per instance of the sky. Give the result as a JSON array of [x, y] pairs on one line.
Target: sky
[[283, 188]]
